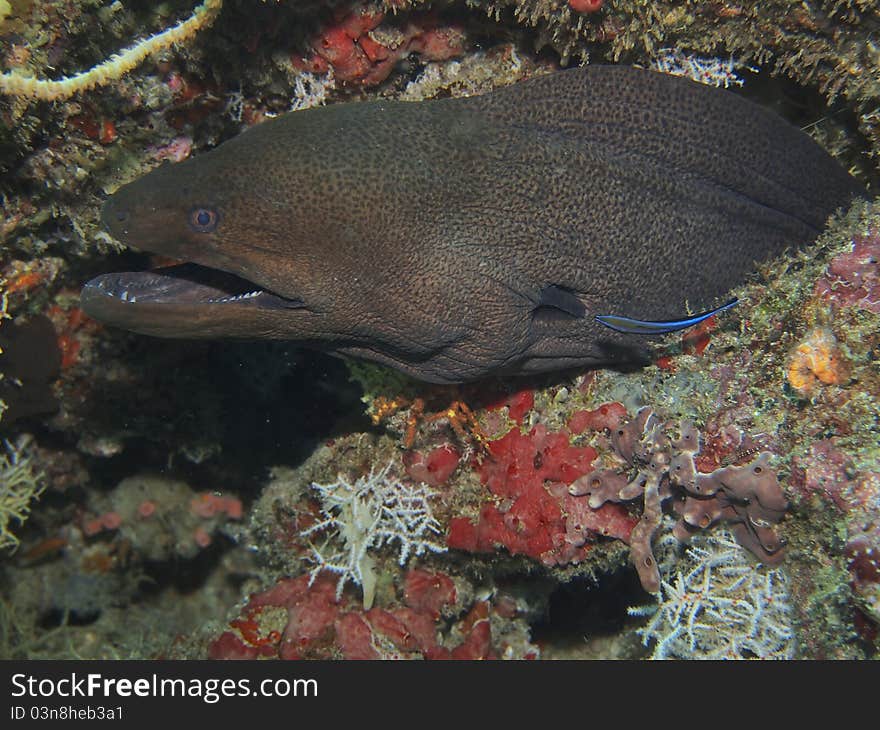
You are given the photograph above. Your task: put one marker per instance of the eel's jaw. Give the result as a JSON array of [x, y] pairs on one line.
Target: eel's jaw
[[185, 301]]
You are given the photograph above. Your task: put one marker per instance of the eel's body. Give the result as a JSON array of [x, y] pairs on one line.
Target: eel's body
[[457, 238]]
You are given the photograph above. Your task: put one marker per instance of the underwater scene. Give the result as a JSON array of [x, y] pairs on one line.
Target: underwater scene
[[454, 329]]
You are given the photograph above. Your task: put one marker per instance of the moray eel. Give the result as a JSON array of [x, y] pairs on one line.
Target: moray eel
[[457, 238]]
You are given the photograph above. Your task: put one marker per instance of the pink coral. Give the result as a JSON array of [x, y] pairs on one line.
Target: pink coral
[[531, 512], [433, 468], [315, 624], [176, 151], [363, 53], [824, 471], [608, 417], [828, 472], [853, 277], [207, 505], [159, 517], [429, 592]]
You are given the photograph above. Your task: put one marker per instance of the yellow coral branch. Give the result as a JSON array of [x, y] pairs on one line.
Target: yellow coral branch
[[20, 484], [17, 84]]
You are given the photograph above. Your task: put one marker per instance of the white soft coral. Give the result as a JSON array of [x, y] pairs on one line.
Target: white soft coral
[[361, 517]]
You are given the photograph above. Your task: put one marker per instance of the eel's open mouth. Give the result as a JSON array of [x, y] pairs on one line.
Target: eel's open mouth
[[185, 284]]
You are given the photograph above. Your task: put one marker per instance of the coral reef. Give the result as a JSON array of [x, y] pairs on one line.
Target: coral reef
[[437, 618], [159, 518], [852, 278], [477, 517], [97, 569], [748, 497], [361, 52], [716, 604], [373, 511]]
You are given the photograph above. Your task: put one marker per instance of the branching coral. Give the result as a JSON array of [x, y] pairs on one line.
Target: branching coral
[[748, 497], [717, 605], [17, 84], [20, 484], [373, 511]]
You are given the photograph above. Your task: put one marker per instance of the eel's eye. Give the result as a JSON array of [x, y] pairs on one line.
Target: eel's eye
[[203, 220]]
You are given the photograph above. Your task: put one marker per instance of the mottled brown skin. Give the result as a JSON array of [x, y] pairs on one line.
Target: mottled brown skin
[[426, 235]]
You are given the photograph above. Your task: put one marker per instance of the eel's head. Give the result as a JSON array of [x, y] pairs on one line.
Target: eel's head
[[241, 276]]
